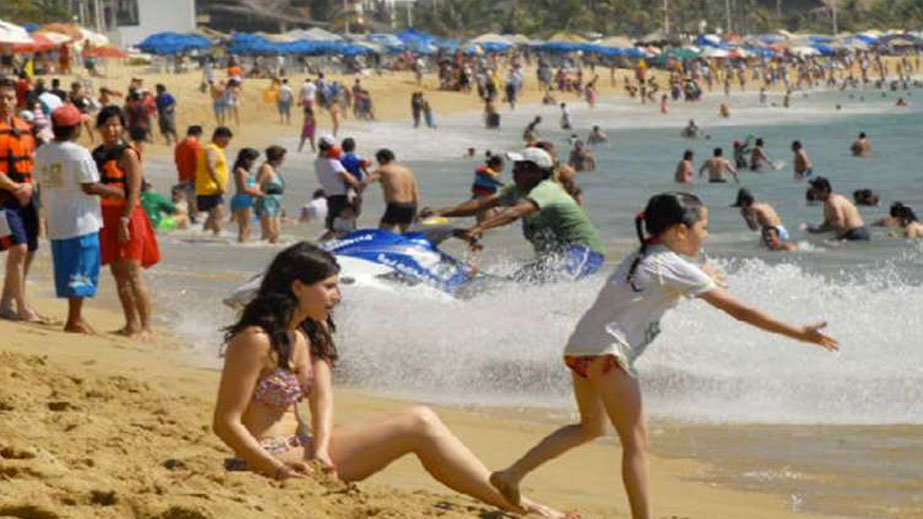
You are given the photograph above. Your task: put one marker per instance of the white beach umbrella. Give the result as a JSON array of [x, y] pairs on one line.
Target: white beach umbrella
[[491, 37], [97, 39], [56, 37], [12, 33]]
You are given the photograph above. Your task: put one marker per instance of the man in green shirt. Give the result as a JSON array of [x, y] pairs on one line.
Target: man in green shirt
[[564, 239]]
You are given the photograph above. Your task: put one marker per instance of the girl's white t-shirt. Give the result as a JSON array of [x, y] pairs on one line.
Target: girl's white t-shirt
[[622, 321]]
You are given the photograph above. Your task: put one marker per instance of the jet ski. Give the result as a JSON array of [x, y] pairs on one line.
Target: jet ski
[[384, 259]]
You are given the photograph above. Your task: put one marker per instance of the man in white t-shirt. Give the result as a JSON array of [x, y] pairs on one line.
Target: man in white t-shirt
[[334, 179], [307, 93], [70, 198]]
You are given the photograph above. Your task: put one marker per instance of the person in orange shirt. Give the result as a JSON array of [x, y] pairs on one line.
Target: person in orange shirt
[[234, 70], [185, 155]]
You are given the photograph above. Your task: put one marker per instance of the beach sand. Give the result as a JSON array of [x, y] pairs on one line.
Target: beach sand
[[105, 427]]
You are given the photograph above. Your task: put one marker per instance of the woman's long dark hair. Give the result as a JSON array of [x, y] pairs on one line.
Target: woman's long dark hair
[[275, 303], [245, 159], [663, 211]]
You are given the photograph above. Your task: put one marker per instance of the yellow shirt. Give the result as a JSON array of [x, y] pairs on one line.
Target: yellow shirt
[[204, 185]]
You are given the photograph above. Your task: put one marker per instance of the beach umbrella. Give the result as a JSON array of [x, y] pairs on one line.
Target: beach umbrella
[[95, 38], [615, 42], [566, 37], [517, 39], [715, 52], [69, 29], [806, 51], [55, 37], [490, 37], [39, 44], [12, 33], [105, 52], [824, 50]]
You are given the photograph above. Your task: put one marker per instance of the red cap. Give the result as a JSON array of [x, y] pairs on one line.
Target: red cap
[[67, 115]]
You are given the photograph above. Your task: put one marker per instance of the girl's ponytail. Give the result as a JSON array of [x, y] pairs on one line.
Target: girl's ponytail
[[662, 212], [639, 228]]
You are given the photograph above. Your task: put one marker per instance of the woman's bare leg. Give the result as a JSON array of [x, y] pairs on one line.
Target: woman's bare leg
[[141, 296], [243, 224], [592, 425], [362, 450], [126, 298], [621, 396]]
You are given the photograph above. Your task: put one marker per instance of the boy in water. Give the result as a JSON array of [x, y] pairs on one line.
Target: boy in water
[[760, 216], [803, 166]]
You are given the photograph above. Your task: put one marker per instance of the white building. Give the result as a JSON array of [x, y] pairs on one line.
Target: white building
[[135, 20]]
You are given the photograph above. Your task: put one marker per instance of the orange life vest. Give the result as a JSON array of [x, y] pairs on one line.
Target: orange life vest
[[17, 149], [110, 172]]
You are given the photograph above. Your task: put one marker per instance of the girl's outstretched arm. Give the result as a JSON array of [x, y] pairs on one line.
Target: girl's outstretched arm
[[723, 300]]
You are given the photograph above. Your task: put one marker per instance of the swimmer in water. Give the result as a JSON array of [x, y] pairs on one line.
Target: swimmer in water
[[717, 167], [760, 215]]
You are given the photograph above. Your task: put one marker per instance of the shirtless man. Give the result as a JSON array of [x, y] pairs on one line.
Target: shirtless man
[[760, 216], [758, 157], [861, 147], [803, 165], [685, 171], [717, 166], [399, 189], [840, 215]]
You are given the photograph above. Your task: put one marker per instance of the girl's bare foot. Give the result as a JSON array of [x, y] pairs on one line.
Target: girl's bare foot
[[539, 510], [80, 326], [507, 486]]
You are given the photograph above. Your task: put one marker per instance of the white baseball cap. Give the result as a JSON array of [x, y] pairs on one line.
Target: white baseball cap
[[537, 156], [326, 141]]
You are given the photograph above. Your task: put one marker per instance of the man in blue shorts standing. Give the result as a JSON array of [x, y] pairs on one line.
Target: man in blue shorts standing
[[70, 196]]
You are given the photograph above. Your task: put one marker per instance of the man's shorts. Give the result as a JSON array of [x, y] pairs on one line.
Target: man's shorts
[[209, 202], [336, 204], [22, 223], [76, 265]]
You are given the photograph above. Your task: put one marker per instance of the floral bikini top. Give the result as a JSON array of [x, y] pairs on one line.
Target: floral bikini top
[[281, 388]]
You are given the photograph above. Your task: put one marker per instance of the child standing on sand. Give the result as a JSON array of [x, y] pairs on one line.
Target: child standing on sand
[[622, 322], [308, 129]]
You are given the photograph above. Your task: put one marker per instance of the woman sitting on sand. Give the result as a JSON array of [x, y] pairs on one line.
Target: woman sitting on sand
[[280, 352]]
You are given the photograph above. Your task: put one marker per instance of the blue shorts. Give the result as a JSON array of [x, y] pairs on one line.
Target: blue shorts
[[76, 265], [239, 202], [23, 225], [580, 261]]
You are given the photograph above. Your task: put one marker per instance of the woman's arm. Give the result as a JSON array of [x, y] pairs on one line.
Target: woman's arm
[[723, 300], [244, 359], [320, 400], [131, 164]]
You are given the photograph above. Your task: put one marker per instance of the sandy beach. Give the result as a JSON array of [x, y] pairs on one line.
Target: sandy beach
[[105, 427]]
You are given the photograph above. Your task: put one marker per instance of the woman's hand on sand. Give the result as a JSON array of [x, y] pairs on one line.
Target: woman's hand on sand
[[326, 464], [293, 469], [811, 333]]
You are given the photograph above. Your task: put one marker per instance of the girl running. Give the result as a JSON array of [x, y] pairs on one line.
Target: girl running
[[615, 331]]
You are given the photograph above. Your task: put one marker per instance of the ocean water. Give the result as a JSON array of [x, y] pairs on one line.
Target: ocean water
[[504, 347], [729, 381]]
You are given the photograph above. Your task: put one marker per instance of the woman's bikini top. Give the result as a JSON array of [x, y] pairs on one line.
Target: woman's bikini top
[[281, 388]]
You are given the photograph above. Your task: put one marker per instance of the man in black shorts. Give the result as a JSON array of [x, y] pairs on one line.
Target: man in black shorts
[[400, 191]]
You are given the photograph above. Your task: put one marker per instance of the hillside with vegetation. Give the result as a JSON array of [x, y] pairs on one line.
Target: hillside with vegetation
[[541, 18]]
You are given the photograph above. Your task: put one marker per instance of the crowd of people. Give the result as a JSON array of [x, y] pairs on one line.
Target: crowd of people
[[98, 210]]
